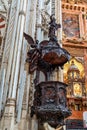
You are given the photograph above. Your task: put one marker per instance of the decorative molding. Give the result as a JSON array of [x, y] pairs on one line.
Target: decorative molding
[[74, 7]]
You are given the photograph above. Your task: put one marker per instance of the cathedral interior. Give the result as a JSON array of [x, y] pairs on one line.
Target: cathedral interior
[[17, 85]]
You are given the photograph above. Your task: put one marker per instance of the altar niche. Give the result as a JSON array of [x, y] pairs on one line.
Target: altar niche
[[49, 103]]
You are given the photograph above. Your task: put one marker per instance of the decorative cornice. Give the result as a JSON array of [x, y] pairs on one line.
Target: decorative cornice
[[79, 42], [74, 7], [69, 44], [75, 1]]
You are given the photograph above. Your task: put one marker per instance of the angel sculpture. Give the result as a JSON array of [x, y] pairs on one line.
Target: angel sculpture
[[31, 41], [33, 54]]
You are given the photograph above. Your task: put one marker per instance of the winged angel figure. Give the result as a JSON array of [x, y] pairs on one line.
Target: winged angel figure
[[33, 54]]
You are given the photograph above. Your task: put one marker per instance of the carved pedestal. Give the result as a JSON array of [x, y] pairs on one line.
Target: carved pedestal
[[50, 102]]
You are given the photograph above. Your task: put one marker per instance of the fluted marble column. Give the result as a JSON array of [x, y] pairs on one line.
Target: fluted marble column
[[32, 30], [39, 31], [6, 65], [22, 17], [15, 50], [58, 14], [34, 123], [10, 41], [23, 69], [32, 20], [9, 114], [8, 119]]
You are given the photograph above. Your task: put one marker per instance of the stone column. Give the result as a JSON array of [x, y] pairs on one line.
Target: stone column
[[58, 14], [9, 115], [22, 17], [23, 124], [2, 89], [34, 123], [32, 21], [7, 120], [15, 51], [6, 65], [32, 26], [23, 69], [39, 32]]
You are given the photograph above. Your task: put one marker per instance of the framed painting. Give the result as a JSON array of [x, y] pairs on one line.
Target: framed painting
[[71, 26]]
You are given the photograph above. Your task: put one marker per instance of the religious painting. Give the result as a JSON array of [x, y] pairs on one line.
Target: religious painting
[[71, 25], [77, 89]]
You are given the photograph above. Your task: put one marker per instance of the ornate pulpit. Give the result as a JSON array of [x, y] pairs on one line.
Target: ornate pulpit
[[49, 103]]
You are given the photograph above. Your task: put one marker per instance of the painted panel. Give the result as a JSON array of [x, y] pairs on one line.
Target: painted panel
[[71, 25]]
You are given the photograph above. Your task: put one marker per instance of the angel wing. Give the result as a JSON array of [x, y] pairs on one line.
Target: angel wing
[[30, 40]]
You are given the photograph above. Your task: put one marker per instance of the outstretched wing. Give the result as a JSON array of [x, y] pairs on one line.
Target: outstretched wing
[[29, 39]]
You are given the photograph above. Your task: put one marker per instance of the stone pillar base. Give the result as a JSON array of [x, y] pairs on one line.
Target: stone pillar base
[[34, 123], [8, 119]]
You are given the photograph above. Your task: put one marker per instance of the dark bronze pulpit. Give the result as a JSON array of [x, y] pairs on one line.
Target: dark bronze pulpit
[[49, 103]]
